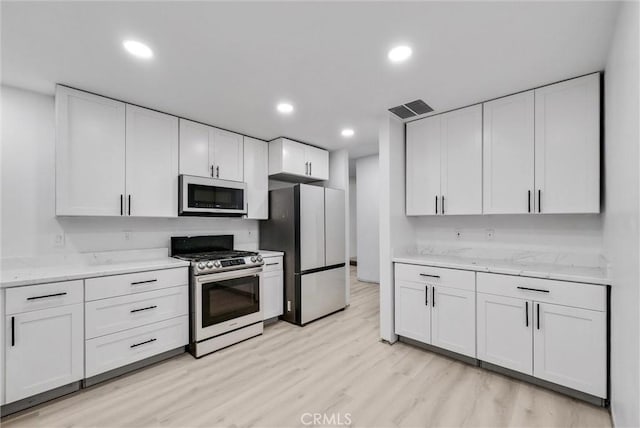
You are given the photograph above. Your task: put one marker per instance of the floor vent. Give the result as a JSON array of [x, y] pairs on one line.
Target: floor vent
[[414, 108]]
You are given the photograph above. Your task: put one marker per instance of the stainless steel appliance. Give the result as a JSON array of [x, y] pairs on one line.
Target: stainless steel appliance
[[203, 196], [308, 224], [225, 291]]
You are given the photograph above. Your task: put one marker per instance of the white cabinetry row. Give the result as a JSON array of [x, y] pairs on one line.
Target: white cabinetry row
[[63, 332], [293, 161], [552, 330], [272, 287], [532, 152], [116, 159]]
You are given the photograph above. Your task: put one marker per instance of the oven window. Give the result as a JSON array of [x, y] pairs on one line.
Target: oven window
[[229, 299], [202, 196]]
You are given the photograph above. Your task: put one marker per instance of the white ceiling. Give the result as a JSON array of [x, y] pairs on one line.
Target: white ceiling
[[228, 64]]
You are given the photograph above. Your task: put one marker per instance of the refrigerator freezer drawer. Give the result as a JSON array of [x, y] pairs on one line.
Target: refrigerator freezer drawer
[[322, 293]]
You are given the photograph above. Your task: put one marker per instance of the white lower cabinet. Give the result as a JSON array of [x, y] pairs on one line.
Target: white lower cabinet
[[43, 350], [453, 320], [570, 347], [437, 307], [272, 288], [413, 314], [504, 332], [119, 349]]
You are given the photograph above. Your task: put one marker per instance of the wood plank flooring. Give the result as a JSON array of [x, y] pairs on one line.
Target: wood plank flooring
[[336, 366]]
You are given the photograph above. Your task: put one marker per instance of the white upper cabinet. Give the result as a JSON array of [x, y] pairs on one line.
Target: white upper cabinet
[[508, 153], [461, 160], [423, 166], [444, 163], [206, 151], [90, 154], [293, 161], [152, 163], [227, 148], [567, 146], [194, 149], [256, 175]]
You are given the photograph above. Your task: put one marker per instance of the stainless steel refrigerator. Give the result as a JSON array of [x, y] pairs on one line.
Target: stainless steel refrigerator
[[308, 224]]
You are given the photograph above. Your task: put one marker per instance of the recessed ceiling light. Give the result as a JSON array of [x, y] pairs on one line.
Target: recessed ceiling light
[[285, 108], [400, 53], [138, 49], [347, 132]]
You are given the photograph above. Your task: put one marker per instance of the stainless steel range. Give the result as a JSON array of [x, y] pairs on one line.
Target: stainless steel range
[[225, 291]]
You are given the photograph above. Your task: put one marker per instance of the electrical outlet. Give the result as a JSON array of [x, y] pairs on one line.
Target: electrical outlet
[[489, 234], [458, 234], [58, 240], [127, 236]]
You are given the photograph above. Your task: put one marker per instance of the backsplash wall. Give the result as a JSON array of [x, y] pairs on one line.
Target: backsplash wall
[[559, 233], [29, 225]]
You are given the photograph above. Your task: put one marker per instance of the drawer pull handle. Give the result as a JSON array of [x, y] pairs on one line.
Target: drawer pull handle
[[430, 276], [144, 309], [143, 343], [47, 296], [533, 289], [272, 264], [144, 282]]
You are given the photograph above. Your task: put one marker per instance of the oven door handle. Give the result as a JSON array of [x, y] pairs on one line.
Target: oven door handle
[[221, 276]]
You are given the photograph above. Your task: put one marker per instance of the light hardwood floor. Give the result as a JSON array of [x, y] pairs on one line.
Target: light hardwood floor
[[336, 366]]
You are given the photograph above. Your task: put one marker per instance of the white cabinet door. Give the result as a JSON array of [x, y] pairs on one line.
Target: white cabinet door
[[294, 160], [412, 311], [508, 155], [311, 227], [318, 162], [423, 166], [256, 175], [461, 161], [567, 134], [90, 154], [453, 320], [272, 294], [152, 163], [227, 154], [194, 149], [335, 251], [570, 347], [504, 333], [44, 350]]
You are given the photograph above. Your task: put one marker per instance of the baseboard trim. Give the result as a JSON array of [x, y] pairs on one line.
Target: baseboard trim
[[34, 400]]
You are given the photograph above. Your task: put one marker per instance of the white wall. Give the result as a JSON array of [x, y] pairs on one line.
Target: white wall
[[353, 218], [367, 207], [395, 228], [339, 179], [621, 214], [28, 222]]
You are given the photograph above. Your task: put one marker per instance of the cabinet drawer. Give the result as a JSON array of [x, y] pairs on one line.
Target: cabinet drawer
[[272, 264], [42, 296], [120, 285], [465, 280], [119, 349], [587, 296], [112, 315]]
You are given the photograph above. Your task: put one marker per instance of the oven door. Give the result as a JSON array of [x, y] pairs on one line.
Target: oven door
[[227, 301], [210, 196]]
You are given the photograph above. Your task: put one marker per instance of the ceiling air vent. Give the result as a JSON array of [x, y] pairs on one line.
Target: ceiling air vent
[[414, 108]]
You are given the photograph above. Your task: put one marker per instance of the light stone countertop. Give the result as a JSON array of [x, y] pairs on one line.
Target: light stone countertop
[[29, 271], [590, 275], [269, 253]]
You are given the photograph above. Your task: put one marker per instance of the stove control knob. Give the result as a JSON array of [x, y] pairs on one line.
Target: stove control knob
[[253, 259], [217, 264], [200, 265], [259, 258], [209, 265]]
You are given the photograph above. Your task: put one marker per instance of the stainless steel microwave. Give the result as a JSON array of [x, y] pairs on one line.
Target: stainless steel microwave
[[202, 196]]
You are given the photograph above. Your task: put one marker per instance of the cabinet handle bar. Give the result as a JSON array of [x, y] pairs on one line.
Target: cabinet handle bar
[[533, 289], [143, 343], [144, 282], [143, 309], [46, 296]]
